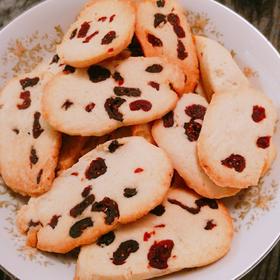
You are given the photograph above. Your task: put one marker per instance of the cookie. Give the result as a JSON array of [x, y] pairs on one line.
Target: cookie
[[102, 30], [185, 231], [29, 147], [163, 30], [219, 70], [177, 135], [233, 147], [97, 195], [144, 130], [97, 100]]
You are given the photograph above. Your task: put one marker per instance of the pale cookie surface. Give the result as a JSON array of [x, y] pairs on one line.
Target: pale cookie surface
[[102, 30], [177, 135], [163, 30], [97, 193], [233, 147], [97, 100], [185, 231], [29, 147]]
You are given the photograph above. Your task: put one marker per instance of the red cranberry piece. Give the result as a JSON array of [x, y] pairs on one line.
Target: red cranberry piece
[[174, 20], [29, 82], [158, 211], [112, 106], [263, 142], [108, 38], [97, 73], [192, 130], [135, 47], [129, 192], [39, 176], [90, 107], [211, 203], [73, 34], [191, 210], [112, 17], [26, 100], [55, 59], [160, 3], [126, 91], [154, 41], [69, 69], [67, 104], [160, 226], [33, 156], [114, 145], [84, 30], [111, 50], [138, 105], [155, 68], [16, 131], [237, 162], [196, 111], [124, 250], [54, 221], [154, 85], [159, 253], [210, 225], [148, 235], [118, 78], [86, 191], [181, 50], [75, 174], [37, 129], [159, 19], [78, 228], [258, 114], [34, 224], [88, 38], [96, 168], [106, 239], [81, 207], [168, 119], [138, 170], [102, 19]]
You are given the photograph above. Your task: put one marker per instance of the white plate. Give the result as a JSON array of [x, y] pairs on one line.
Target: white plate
[[256, 212]]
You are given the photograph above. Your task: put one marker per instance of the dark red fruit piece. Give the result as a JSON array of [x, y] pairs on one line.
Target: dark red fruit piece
[[196, 111], [96, 168], [159, 253], [78, 228], [258, 114], [135, 47], [102, 19], [73, 34], [109, 207], [90, 107], [16, 131], [160, 3], [159, 18], [174, 20], [181, 50], [158, 211], [154, 41], [86, 191], [160, 226], [106, 239], [168, 119], [263, 142], [88, 38], [53, 222], [124, 250], [138, 105], [192, 130], [81, 207], [97, 73], [39, 176], [37, 129], [67, 104], [69, 69], [155, 68], [211, 203], [111, 18], [55, 59], [108, 38], [84, 30], [112, 106], [33, 156], [138, 170], [210, 225], [148, 235], [29, 82], [129, 192], [154, 85], [114, 145], [75, 174], [126, 91], [34, 224], [118, 78], [111, 50], [26, 100], [237, 162]]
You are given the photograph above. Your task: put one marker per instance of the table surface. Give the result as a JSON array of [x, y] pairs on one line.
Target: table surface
[[265, 15]]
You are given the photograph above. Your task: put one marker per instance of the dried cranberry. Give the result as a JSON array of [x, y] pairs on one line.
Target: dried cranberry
[[16, 131], [138, 170], [90, 107], [263, 142], [96, 168], [33, 156], [54, 221], [124, 250], [69, 69], [138, 105], [148, 235], [192, 130], [159, 253], [55, 59], [75, 174], [196, 111], [112, 106], [174, 20], [111, 18], [155, 68], [160, 3], [81, 207], [98, 73], [154, 85], [158, 211], [78, 228], [29, 82], [258, 114], [129, 192], [67, 104], [106, 239], [160, 226], [39, 176], [126, 91], [154, 41], [114, 145], [86, 191], [181, 50], [108, 38], [211, 203], [118, 78], [135, 47], [235, 161], [159, 18], [73, 33], [168, 119], [88, 38], [84, 30], [102, 19], [34, 224], [37, 129], [109, 207], [210, 225], [26, 100]]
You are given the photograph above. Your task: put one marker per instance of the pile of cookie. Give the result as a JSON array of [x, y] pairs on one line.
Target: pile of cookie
[[94, 138]]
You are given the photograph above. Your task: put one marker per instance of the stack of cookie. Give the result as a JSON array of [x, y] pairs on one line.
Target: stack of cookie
[[94, 138]]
